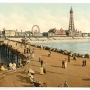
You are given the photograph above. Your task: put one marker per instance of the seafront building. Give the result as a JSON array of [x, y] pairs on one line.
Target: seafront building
[[9, 33], [20, 34]]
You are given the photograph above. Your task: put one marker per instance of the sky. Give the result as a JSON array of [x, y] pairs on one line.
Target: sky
[[23, 16]]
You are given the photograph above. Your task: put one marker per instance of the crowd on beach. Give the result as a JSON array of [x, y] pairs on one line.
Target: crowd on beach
[[31, 72], [64, 62], [13, 66]]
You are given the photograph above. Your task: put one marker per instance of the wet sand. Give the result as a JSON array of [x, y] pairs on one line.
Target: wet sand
[[75, 74]]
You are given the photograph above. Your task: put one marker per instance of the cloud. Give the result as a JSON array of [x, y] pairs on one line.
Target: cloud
[[45, 19], [83, 25]]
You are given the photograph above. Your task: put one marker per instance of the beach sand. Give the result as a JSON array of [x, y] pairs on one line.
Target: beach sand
[[75, 74]]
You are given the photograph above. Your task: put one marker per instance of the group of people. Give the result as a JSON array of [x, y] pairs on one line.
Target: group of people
[[42, 71], [43, 66], [64, 62], [33, 81], [11, 66]]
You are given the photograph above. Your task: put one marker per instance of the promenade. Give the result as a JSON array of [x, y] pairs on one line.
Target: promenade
[[75, 74]]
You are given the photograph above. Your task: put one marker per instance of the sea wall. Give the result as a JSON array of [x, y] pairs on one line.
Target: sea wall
[[65, 52]]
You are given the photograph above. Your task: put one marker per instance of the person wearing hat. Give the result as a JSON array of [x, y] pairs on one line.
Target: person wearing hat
[[31, 71]]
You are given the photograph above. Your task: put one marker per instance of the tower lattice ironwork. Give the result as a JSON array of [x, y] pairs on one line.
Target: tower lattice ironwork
[[71, 21]]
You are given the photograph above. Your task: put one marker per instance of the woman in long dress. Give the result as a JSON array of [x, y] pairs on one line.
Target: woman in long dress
[[66, 63], [41, 70]]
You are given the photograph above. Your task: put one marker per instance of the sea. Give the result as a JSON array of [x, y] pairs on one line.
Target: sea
[[75, 47]]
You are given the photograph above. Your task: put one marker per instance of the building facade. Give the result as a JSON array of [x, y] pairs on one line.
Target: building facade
[[55, 32], [8, 33]]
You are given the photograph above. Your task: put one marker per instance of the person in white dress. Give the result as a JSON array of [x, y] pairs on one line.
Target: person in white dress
[[14, 66], [66, 63], [41, 70]]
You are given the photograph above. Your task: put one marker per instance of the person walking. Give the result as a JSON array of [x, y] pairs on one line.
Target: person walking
[[44, 68], [41, 63], [63, 64], [66, 63], [39, 58], [68, 58]]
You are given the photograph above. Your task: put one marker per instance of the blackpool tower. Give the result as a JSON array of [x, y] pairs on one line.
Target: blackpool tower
[[71, 21]]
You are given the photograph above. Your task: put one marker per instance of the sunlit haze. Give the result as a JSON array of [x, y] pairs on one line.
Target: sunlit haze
[[22, 16]]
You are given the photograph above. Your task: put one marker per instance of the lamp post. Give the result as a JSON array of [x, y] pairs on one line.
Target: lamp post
[[29, 34]]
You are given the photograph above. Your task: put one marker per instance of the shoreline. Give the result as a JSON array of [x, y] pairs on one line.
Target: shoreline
[[72, 40], [57, 40]]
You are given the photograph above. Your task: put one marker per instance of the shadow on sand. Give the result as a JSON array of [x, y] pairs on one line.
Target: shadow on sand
[[23, 72], [45, 55], [31, 85], [35, 65], [56, 66], [86, 79], [34, 60], [23, 79], [76, 64], [64, 74]]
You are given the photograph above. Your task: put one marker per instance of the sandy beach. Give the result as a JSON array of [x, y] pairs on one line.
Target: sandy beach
[[75, 74]]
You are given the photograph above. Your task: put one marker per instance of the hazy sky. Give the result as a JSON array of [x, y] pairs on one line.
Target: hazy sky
[[45, 15]]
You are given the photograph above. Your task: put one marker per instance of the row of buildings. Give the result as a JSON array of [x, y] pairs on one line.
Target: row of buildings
[[51, 33], [71, 32]]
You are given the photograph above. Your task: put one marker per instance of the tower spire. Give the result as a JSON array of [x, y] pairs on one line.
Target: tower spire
[[71, 10]]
